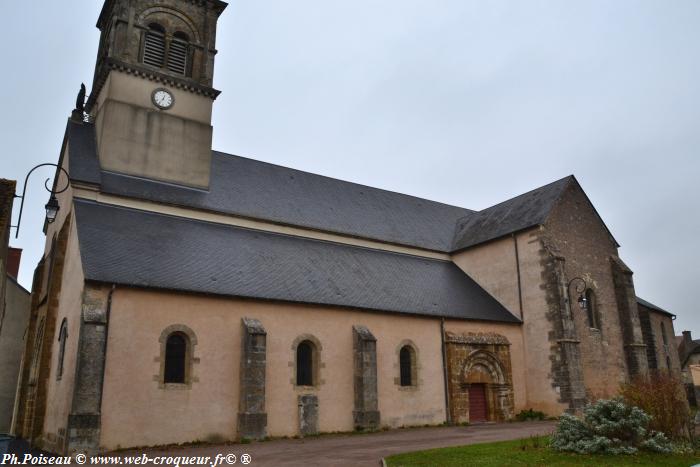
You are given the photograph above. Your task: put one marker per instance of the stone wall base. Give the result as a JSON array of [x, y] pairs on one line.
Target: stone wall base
[[83, 433], [365, 420], [252, 425]]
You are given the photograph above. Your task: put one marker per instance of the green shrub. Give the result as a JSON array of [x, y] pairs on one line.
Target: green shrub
[[529, 414], [608, 427]]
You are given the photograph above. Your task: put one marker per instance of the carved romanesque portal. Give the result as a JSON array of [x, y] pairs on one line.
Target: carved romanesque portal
[[480, 377]]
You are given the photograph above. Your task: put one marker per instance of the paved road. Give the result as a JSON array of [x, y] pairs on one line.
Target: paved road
[[364, 450]]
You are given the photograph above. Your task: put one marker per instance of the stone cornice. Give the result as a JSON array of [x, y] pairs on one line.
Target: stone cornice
[[482, 338], [110, 64]]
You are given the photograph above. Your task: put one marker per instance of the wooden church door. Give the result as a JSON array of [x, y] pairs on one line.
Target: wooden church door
[[477, 403]]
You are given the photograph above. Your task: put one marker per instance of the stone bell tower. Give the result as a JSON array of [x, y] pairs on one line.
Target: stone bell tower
[[152, 93]]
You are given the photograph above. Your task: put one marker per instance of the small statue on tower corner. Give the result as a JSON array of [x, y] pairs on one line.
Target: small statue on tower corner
[[79, 111], [80, 101]]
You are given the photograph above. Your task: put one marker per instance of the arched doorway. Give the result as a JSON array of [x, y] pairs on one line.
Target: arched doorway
[[486, 387]]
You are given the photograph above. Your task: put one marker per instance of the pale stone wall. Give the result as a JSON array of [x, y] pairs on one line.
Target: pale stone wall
[[208, 409], [494, 266]]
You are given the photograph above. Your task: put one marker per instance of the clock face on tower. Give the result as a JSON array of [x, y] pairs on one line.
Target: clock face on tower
[[162, 99]]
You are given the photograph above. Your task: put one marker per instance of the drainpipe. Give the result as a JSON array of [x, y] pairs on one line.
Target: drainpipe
[[448, 418]]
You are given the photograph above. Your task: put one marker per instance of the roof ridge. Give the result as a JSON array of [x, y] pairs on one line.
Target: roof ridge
[[568, 177]]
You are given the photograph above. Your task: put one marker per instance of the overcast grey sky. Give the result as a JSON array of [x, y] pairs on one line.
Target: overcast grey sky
[[464, 102]]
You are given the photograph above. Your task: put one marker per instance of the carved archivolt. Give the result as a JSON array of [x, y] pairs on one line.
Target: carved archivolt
[[480, 360]]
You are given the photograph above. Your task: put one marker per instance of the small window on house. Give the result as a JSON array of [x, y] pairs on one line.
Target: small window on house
[[154, 45], [178, 53], [305, 364], [62, 336], [591, 309], [175, 358]]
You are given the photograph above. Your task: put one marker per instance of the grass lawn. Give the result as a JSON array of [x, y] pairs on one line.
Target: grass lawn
[[528, 452]]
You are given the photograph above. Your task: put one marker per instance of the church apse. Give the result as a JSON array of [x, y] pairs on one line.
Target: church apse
[[480, 379]]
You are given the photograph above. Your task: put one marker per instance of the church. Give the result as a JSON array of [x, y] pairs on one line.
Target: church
[[187, 294]]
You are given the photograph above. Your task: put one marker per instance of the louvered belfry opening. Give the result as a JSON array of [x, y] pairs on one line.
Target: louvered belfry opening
[[154, 46], [178, 53]]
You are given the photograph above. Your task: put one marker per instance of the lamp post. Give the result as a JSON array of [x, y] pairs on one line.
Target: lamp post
[[581, 287], [52, 206]]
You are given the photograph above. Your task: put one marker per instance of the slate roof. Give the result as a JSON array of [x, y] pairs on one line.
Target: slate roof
[[259, 190], [643, 302], [524, 211], [82, 153], [146, 249]]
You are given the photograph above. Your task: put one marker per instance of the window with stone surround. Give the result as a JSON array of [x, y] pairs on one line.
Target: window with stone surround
[[305, 365], [407, 359], [177, 357], [307, 362], [592, 310]]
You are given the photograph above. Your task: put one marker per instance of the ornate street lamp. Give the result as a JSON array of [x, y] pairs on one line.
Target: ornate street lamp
[[52, 206], [581, 288]]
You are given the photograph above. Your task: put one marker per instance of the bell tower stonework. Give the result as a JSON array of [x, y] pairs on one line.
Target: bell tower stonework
[[152, 93]]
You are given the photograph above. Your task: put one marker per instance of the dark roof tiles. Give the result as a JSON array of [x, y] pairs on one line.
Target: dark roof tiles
[[145, 249], [259, 190], [524, 211]]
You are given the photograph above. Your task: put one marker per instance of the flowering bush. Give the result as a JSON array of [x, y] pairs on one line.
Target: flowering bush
[[608, 427]]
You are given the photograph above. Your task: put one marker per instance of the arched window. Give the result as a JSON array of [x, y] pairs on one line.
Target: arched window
[[406, 365], [154, 45], [591, 309], [305, 363], [62, 336], [178, 53], [175, 358]]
